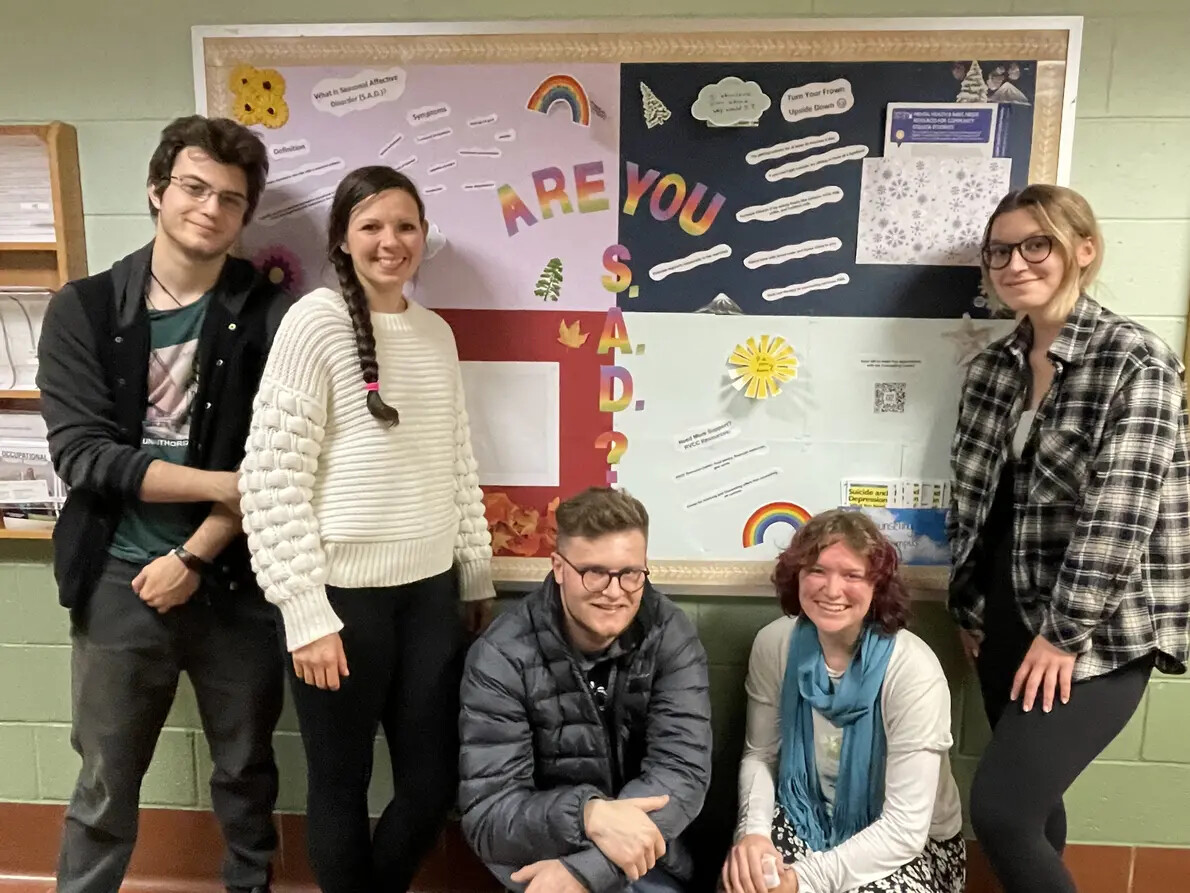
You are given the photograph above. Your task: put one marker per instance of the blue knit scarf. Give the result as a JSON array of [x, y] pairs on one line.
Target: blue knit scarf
[[853, 704]]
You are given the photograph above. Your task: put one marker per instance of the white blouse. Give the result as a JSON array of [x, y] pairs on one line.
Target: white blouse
[[921, 799]]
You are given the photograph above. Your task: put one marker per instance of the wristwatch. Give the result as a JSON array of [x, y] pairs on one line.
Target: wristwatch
[[192, 561]]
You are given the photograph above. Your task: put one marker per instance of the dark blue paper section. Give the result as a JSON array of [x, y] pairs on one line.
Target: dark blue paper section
[[715, 157]]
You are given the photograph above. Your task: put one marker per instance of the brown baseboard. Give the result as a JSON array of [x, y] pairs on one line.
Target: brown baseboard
[[1103, 869], [138, 885], [179, 850]]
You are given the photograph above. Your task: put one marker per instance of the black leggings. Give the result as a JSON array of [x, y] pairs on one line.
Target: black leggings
[[404, 648], [1034, 757]]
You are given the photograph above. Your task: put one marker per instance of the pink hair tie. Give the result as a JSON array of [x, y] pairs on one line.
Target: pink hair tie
[[371, 386]]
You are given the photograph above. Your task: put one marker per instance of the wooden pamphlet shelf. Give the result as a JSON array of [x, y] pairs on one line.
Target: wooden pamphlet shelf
[[50, 264], [25, 534], [45, 265]]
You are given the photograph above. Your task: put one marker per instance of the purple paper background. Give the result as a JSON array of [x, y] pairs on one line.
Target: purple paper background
[[481, 267]]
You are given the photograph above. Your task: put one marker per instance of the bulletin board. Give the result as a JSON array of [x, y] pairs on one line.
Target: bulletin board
[[729, 265]]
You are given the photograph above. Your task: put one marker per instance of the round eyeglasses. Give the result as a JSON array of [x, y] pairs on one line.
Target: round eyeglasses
[[597, 579], [1033, 250]]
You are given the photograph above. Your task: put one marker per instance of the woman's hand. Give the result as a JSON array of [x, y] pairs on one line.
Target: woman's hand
[[971, 639], [743, 871], [477, 615], [1046, 667], [322, 662]]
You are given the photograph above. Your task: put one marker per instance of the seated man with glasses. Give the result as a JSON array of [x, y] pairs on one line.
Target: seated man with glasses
[[586, 719]]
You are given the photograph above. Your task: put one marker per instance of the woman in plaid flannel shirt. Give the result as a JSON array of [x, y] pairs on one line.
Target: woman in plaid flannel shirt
[[1069, 527]]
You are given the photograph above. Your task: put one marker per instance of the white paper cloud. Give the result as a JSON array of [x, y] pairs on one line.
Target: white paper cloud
[[435, 241], [731, 102]]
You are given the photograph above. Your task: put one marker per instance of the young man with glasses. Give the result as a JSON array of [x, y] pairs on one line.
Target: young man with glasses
[[147, 373], [586, 719]]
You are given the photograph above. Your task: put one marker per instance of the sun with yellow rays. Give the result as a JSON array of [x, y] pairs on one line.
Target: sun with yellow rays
[[758, 369]]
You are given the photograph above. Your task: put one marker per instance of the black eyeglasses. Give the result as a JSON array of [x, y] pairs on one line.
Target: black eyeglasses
[[597, 579], [1033, 250], [201, 190]]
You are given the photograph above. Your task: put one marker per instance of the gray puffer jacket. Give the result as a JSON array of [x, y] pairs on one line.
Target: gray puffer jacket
[[535, 750]]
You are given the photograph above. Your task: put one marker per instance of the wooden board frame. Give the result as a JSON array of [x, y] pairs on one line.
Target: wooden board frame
[[1054, 42]]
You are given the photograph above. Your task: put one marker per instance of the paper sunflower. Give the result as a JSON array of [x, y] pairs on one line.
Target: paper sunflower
[[269, 81], [240, 77], [259, 96], [248, 109], [274, 114]]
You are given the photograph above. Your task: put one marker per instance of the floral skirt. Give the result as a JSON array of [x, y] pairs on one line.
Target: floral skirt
[[941, 868]]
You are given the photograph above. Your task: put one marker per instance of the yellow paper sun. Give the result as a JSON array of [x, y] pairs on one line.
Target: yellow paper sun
[[759, 369]]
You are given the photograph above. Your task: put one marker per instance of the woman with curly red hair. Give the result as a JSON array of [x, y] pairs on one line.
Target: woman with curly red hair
[[845, 781]]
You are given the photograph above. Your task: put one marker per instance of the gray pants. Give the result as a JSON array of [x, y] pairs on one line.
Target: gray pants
[[125, 663], [658, 881]]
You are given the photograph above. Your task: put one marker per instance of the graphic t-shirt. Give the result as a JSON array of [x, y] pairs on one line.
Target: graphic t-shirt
[[149, 530], [828, 748]]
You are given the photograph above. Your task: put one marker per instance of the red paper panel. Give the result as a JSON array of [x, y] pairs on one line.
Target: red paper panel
[[533, 336]]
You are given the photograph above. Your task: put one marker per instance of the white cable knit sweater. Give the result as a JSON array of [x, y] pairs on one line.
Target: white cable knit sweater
[[332, 495]]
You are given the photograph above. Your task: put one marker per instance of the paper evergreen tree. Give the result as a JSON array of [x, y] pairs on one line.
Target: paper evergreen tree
[[654, 109], [549, 283], [973, 88]]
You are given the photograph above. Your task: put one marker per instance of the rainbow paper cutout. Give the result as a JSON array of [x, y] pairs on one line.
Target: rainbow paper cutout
[[514, 210], [615, 334], [562, 88], [768, 515], [617, 442], [608, 376]]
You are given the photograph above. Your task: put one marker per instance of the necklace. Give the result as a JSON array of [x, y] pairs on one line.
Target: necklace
[[164, 289], [153, 355]]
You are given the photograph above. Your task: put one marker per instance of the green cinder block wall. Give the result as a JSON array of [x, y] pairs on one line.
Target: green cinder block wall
[[119, 72]]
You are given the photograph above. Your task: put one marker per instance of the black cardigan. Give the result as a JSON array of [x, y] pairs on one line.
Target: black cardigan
[[93, 361]]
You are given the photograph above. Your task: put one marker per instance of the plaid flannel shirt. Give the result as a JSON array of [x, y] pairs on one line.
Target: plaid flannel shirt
[[1101, 521]]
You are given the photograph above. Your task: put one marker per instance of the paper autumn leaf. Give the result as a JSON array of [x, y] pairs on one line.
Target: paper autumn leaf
[[520, 530], [523, 521], [570, 336], [500, 540], [498, 508], [525, 546], [550, 524], [548, 527]]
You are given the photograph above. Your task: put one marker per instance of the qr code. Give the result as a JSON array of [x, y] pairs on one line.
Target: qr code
[[889, 397]]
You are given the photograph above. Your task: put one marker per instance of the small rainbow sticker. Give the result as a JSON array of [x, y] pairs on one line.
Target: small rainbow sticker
[[768, 515], [562, 88]]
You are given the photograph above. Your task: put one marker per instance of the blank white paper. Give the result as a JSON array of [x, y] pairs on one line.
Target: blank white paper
[[515, 416]]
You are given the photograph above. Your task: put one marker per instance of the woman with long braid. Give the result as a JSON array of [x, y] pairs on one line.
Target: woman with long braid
[[366, 525]]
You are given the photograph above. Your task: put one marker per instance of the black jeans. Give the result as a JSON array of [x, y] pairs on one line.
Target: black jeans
[[405, 647], [1033, 758], [125, 663]]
